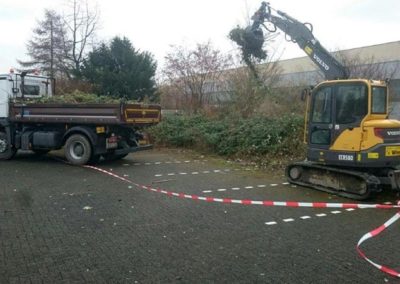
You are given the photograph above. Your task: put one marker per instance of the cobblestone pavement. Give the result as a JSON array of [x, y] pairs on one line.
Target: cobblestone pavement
[[65, 224]]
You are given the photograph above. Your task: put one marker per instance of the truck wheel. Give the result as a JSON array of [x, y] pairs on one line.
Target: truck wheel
[[7, 151], [77, 149]]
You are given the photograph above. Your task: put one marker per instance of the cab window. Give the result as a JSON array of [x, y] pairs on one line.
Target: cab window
[[31, 90], [321, 113], [351, 103], [322, 106], [378, 100]]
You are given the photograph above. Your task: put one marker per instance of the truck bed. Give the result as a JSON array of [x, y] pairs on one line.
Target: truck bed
[[133, 114]]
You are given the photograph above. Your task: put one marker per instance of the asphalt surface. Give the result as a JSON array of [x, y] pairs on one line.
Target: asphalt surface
[[66, 224]]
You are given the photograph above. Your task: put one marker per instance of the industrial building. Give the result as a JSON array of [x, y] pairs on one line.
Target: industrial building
[[302, 71]]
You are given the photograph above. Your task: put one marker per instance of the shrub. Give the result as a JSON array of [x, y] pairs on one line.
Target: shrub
[[250, 138]]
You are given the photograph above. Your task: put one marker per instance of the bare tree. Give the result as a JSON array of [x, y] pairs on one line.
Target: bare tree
[[366, 66], [47, 46], [195, 74], [248, 92], [81, 23], [60, 43]]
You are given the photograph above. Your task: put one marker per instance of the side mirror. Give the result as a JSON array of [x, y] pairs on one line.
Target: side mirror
[[306, 92]]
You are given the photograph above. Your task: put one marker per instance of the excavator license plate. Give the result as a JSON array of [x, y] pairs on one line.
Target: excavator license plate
[[392, 151]]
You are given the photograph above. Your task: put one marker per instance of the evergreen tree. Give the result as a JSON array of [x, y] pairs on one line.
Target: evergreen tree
[[119, 70]]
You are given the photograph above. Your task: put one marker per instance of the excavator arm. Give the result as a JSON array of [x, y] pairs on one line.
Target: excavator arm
[[297, 32]]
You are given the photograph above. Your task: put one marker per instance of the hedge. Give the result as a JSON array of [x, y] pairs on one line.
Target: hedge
[[229, 136]]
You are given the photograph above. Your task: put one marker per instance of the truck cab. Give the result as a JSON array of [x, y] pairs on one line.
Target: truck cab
[[22, 85]]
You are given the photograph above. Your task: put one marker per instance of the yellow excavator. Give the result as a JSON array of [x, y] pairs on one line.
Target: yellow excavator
[[353, 148]]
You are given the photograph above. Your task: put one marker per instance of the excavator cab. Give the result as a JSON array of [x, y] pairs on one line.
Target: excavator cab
[[337, 108], [345, 123], [353, 149]]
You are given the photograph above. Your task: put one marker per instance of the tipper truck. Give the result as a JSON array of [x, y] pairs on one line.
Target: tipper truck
[[86, 131]]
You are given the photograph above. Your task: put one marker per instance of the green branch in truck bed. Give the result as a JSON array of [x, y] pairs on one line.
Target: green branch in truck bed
[[80, 97]]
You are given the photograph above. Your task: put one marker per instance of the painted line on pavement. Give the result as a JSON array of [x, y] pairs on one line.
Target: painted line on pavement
[[247, 187]]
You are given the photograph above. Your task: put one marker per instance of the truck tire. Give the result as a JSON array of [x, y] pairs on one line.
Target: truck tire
[[78, 149], [7, 151]]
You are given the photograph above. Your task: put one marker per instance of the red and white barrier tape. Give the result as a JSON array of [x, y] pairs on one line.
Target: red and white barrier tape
[[250, 202], [374, 233], [367, 236]]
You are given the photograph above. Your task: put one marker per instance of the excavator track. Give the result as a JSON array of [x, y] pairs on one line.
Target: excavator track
[[343, 182]]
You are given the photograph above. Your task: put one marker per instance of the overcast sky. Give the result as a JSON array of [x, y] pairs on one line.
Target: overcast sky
[[155, 25]]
